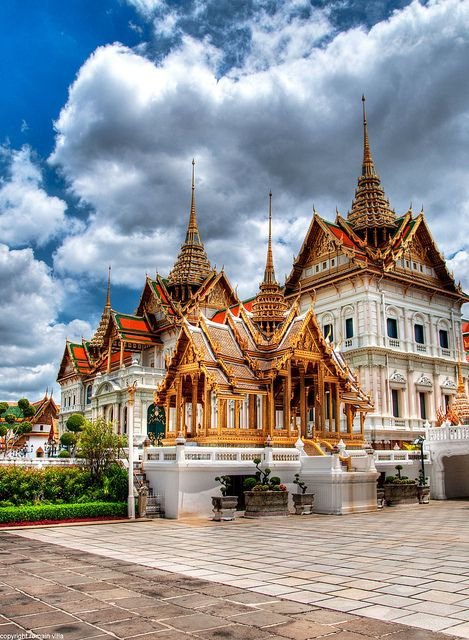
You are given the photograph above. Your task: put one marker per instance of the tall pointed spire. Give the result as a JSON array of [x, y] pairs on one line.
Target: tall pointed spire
[[192, 234], [371, 214], [192, 265], [98, 338], [368, 167], [269, 273], [269, 306]]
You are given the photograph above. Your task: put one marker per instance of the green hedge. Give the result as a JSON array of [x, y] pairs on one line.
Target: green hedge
[[62, 511], [20, 486]]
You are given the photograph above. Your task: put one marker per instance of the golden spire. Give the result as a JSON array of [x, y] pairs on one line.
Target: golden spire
[[192, 265], [368, 168], [269, 273], [269, 306], [98, 339], [192, 235], [371, 213]]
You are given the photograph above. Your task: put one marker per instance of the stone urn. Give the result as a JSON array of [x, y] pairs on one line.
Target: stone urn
[[142, 501], [423, 494], [395, 494], [224, 507], [380, 497], [303, 503], [260, 504]]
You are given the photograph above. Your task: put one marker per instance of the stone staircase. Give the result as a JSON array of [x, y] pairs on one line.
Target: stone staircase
[[153, 509]]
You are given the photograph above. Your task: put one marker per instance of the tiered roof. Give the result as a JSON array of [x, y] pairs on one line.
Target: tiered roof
[[237, 358], [192, 266], [269, 307], [370, 207]]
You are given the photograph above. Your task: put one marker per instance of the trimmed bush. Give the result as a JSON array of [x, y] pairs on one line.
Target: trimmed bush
[[61, 484], [62, 511]]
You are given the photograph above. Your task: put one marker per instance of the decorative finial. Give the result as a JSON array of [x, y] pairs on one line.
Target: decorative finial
[[269, 273], [368, 166]]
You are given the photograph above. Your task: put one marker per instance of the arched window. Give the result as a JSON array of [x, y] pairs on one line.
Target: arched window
[[89, 390]]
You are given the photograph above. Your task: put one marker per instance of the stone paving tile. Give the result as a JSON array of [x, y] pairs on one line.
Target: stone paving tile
[[370, 550], [37, 620], [461, 630], [111, 614], [233, 632], [303, 630], [443, 597], [77, 631], [196, 622], [425, 621], [128, 628]]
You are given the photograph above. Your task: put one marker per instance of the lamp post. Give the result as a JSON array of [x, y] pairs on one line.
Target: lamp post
[[420, 440], [131, 389]]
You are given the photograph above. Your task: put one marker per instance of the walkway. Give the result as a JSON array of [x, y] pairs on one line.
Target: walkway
[[300, 577]]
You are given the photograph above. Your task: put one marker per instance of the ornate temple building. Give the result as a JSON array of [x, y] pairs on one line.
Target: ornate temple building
[[44, 436], [369, 305], [383, 294], [243, 377]]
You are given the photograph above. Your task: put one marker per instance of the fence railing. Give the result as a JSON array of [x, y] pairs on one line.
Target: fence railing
[[447, 433], [393, 456], [195, 455]]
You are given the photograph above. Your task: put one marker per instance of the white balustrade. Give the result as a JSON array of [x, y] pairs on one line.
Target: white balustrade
[[197, 455], [406, 457], [447, 433]]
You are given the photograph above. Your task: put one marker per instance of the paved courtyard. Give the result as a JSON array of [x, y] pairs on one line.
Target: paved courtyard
[[347, 578]]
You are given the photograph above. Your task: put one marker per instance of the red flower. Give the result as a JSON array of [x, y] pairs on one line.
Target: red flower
[[282, 487]]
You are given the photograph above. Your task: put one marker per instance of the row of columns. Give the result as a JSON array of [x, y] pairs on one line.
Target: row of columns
[[257, 411]]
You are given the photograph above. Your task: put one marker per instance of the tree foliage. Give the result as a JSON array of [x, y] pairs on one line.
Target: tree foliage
[[99, 446], [75, 422], [26, 408], [4, 406]]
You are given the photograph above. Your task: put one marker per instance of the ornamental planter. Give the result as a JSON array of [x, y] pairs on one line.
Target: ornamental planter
[[380, 497], [224, 507], [395, 494], [303, 503], [260, 504], [423, 494]]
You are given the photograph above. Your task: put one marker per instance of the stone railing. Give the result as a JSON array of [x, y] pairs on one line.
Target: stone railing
[[39, 462], [398, 456], [447, 433], [232, 455]]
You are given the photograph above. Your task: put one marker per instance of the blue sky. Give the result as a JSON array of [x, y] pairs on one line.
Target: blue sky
[[104, 104]]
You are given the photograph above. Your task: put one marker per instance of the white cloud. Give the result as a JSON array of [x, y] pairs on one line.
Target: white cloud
[[31, 339], [288, 119], [27, 212]]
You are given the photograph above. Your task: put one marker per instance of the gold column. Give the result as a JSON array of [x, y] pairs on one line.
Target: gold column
[[286, 402], [362, 424], [166, 416], [252, 411], [330, 407], [349, 418], [121, 359], [195, 388], [302, 402], [177, 426], [271, 410], [321, 396], [207, 406], [337, 409], [236, 414]]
